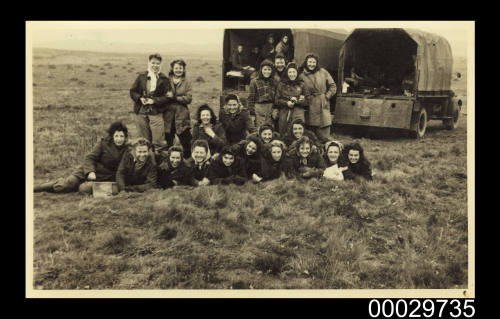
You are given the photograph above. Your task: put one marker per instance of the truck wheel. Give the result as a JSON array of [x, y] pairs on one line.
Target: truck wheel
[[420, 124], [452, 124]]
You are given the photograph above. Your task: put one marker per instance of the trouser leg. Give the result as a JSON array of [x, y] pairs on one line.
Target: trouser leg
[[67, 184], [157, 126], [185, 139], [263, 114], [86, 187], [143, 128]]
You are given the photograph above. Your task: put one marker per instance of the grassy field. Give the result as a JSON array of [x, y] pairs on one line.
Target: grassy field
[[406, 229]]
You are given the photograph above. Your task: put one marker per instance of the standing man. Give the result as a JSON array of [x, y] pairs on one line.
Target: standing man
[[150, 102]]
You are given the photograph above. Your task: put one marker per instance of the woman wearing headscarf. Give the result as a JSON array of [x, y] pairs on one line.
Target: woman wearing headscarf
[[100, 165], [137, 171], [321, 86], [262, 92], [292, 98], [198, 163], [357, 164], [306, 161], [176, 118], [209, 129], [227, 169]]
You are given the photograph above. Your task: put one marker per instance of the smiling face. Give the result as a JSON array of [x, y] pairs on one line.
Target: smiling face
[[178, 69], [266, 71], [267, 135], [333, 153], [251, 148], [305, 150], [228, 159], [285, 39], [279, 64], [292, 74], [298, 130], [205, 117], [141, 152], [311, 63], [175, 159], [276, 153], [119, 138], [199, 154], [154, 65], [232, 106], [353, 156]]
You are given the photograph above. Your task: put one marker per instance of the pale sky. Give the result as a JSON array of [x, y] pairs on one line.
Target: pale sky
[[206, 35]]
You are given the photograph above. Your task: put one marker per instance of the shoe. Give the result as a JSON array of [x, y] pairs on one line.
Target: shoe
[[44, 187]]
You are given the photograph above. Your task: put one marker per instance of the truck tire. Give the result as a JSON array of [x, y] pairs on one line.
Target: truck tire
[[452, 123], [419, 124]]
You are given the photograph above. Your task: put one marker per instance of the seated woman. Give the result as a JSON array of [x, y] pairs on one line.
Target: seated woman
[[227, 169], [297, 130], [357, 164], [333, 149], [198, 163], [292, 98], [137, 171], [100, 165], [306, 162], [209, 129], [236, 120], [274, 163], [265, 135], [173, 170], [250, 151]]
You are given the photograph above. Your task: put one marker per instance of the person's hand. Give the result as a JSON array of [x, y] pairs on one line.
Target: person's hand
[[256, 178], [149, 101], [274, 114], [143, 101], [290, 104], [170, 94], [343, 168], [272, 51], [210, 132], [204, 182], [91, 176], [293, 99], [215, 156]]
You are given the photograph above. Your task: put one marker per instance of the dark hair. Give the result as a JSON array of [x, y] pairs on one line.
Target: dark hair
[[117, 126], [279, 56], [213, 119], [230, 97], [141, 141], [314, 56], [175, 148], [357, 147], [265, 127], [296, 121], [180, 62], [269, 63], [201, 143], [227, 150], [304, 140], [155, 56]]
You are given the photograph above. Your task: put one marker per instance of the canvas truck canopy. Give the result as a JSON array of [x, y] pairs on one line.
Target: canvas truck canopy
[[398, 54], [324, 42]]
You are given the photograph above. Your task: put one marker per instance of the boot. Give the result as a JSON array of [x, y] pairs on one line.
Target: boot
[[44, 187]]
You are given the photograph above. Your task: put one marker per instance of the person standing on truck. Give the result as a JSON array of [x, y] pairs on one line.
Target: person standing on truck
[[177, 119], [268, 51], [149, 93], [262, 91], [321, 88], [283, 48]]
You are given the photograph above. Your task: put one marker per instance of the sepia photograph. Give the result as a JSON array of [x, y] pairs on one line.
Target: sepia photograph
[[250, 159]]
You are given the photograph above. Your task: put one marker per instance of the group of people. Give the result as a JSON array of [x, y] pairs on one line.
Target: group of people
[[230, 150]]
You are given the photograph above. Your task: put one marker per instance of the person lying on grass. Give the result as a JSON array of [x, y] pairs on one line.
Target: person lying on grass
[[227, 169], [358, 165], [265, 135], [297, 130], [137, 171], [333, 149], [199, 163], [274, 163], [99, 166], [250, 150], [173, 170], [236, 120], [305, 161], [209, 129]]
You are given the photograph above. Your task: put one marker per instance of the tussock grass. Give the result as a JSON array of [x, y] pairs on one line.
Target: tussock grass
[[406, 229]]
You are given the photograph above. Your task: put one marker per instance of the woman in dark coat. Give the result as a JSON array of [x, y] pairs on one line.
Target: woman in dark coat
[[199, 163], [305, 161], [137, 171], [209, 129], [357, 164], [227, 169], [250, 150], [100, 165], [297, 130], [265, 135], [274, 163], [173, 170], [236, 120]]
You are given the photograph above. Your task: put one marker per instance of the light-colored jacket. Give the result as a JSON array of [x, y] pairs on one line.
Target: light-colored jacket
[[321, 87]]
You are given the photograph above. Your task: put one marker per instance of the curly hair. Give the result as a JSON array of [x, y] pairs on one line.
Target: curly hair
[[203, 107], [117, 126], [180, 62], [141, 141], [156, 56], [303, 67]]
